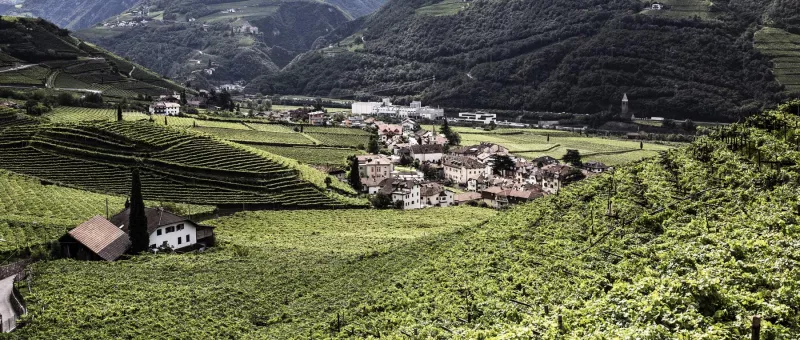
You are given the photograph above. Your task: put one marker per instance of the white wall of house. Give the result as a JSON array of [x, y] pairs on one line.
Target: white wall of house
[[439, 200], [428, 157], [187, 235], [411, 200], [375, 170], [365, 108], [462, 175]]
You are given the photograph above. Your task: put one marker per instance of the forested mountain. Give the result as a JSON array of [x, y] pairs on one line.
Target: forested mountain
[[217, 40], [71, 14], [686, 60]]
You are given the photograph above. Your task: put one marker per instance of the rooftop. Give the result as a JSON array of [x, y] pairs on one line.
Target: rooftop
[[102, 237]]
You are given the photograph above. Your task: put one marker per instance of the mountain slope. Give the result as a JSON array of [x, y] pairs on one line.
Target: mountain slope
[[579, 56], [72, 14], [37, 54], [239, 40], [358, 8]]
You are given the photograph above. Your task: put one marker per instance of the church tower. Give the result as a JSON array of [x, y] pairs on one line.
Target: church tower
[[625, 104]]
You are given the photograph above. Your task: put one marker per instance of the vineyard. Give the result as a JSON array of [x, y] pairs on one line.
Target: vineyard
[[252, 136], [689, 244], [534, 143], [35, 75], [312, 155], [274, 274], [177, 165], [32, 213]]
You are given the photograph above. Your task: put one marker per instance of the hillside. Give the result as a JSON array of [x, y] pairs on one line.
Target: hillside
[[177, 165], [71, 14], [37, 54], [690, 244], [218, 41], [577, 56]]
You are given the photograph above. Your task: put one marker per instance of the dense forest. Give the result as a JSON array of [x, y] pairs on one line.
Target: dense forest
[[576, 56]]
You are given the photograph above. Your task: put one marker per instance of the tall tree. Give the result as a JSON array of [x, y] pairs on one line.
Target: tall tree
[[119, 113], [137, 222], [453, 138], [502, 164], [373, 146], [355, 177], [183, 97], [572, 157]]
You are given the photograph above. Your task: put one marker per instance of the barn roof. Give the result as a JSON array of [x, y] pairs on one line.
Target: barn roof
[[102, 237]]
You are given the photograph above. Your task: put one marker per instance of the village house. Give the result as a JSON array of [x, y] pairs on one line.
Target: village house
[[388, 133], [467, 197], [556, 176], [374, 166], [354, 122], [95, 240], [427, 153], [165, 109], [594, 167], [316, 118], [405, 191], [371, 185], [436, 195], [461, 169], [168, 230], [500, 197]]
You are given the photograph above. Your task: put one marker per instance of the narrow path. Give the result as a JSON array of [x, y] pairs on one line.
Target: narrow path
[[130, 75], [51, 79], [17, 68]]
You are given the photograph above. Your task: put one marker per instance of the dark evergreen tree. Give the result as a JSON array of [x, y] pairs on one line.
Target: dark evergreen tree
[[572, 157], [453, 138], [354, 177], [119, 113], [137, 223], [641, 145], [373, 146], [503, 164]]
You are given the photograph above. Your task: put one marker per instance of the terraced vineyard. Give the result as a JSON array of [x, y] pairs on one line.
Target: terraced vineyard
[[177, 165], [312, 155], [66, 114], [35, 75], [252, 136], [784, 50]]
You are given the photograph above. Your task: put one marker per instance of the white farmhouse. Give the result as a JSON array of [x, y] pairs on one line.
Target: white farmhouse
[[168, 229], [165, 109], [427, 153], [462, 169]]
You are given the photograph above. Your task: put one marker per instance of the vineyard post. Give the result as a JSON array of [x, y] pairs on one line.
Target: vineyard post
[[756, 328], [546, 310], [106, 208], [560, 324]]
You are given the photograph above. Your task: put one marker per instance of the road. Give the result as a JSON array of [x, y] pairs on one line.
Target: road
[[9, 317], [17, 68]]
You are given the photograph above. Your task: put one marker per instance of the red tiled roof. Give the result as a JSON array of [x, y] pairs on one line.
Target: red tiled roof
[[102, 237]]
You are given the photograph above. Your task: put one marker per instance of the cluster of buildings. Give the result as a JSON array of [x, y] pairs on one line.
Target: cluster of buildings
[[461, 175], [385, 107], [166, 105]]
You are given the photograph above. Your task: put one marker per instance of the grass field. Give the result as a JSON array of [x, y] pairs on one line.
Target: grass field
[[684, 9], [35, 75], [274, 274], [444, 8], [534, 144], [784, 50], [312, 155]]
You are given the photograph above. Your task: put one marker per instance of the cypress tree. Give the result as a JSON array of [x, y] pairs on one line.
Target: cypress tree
[[355, 177], [119, 113], [137, 223]]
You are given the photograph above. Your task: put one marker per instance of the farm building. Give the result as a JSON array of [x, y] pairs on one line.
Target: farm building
[[168, 229], [94, 240], [165, 108], [427, 153]]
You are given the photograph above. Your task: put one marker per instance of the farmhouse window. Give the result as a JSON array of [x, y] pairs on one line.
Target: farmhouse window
[[158, 232], [187, 238], [180, 226], [170, 229], [180, 239]]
